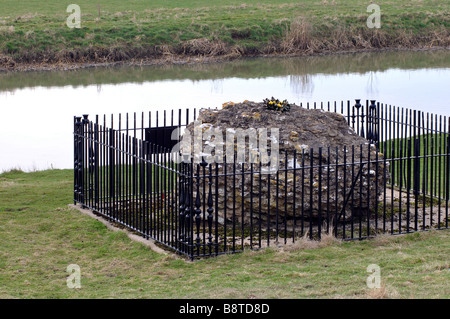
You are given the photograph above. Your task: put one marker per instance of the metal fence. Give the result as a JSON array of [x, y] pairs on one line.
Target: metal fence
[[398, 182]]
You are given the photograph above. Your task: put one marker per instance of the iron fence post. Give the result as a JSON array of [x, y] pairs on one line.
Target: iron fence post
[[210, 209], [416, 180], [189, 208], [408, 183], [447, 179], [357, 116], [182, 199], [197, 210], [83, 142], [372, 119], [77, 158], [91, 163], [111, 166], [96, 164]]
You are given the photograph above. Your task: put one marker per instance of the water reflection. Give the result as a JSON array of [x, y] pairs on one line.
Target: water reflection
[[372, 83], [252, 68], [38, 107], [302, 85]]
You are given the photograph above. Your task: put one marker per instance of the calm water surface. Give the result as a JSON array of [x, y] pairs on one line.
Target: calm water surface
[[37, 108]]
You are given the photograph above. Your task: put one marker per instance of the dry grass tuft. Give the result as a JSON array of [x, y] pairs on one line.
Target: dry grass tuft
[[327, 240], [301, 244], [7, 61], [27, 16], [205, 47], [298, 37], [377, 293], [382, 293], [7, 183], [242, 6], [7, 29], [382, 240]]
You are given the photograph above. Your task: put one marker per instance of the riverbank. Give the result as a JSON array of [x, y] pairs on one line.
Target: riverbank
[[191, 60], [36, 37]]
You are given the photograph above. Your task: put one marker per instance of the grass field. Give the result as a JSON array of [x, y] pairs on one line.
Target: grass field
[[40, 236], [36, 31]]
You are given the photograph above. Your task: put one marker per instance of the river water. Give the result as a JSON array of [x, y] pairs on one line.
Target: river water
[[37, 108]]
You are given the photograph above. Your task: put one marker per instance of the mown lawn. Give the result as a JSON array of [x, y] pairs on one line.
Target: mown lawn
[[40, 236]]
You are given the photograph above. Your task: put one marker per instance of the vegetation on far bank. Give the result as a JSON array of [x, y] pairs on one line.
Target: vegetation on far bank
[[34, 32], [40, 237]]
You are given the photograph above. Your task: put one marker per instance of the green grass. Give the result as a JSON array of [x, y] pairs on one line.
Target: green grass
[[432, 171], [36, 31], [40, 237]]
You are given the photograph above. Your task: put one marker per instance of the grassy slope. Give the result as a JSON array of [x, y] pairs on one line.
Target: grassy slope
[[35, 31], [40, 237]]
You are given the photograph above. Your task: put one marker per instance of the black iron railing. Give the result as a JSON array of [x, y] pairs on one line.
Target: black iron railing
[[398, 182]]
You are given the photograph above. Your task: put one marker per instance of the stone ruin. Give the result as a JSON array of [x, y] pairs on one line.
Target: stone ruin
[[300, 130]]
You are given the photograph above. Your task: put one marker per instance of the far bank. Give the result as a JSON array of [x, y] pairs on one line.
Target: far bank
[[37, 37]]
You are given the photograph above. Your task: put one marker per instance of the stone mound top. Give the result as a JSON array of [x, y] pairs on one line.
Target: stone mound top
[[299, 128]]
